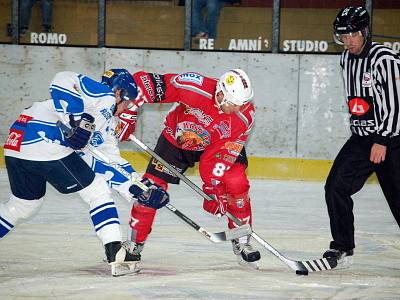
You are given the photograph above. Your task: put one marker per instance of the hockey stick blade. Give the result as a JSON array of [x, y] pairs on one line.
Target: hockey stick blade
[[215, 237], [302, 267], [237, 232]]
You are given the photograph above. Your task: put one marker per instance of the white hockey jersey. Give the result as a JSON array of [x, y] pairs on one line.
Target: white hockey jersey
[[35, 135]]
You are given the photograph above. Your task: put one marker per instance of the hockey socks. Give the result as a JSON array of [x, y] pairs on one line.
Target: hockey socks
[[142, 218]]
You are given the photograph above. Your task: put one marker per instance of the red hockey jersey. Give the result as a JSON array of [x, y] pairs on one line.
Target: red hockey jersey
[[196, 123]]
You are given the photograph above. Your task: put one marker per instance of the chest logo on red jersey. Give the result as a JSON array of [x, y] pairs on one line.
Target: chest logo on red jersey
[[192, 136], [199, 114], [14, 140], [224, 129], [358, 106]]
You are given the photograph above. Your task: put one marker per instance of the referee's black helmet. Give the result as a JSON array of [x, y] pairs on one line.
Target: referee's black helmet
[[351, 19]]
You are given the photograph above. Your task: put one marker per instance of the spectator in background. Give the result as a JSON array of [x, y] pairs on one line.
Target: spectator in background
[[26, 11], [205, 25]]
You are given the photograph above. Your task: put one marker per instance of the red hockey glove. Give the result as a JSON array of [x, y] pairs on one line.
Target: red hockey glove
[[126, 124], [219, 205]]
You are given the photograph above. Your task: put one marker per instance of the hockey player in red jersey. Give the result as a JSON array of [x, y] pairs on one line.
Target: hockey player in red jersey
[[210, 125]]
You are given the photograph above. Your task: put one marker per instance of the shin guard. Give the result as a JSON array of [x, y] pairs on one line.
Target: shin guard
[[103, 211], [142, 218], [16, 210], [239, 206]]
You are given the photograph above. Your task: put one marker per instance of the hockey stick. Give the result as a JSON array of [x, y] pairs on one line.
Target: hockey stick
[[215, 237], [301, 267]]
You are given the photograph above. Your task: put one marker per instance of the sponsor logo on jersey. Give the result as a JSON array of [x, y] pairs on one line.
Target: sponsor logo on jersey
[[169, 130], [199, 114], [229, 158], [97, 139], [158, 81], [233, 148], [366, 80], [191, 77], [362, 123], [108, 74], [147, 85], [358, 106], [224, 129], [107, 113], [14, 140], [192, 135], [23, 119]]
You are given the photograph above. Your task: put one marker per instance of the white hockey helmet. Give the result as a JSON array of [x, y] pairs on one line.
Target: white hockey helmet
[[236, 87]]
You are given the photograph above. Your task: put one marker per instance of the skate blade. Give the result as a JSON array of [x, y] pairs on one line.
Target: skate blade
[[254, 265], [125, 268]]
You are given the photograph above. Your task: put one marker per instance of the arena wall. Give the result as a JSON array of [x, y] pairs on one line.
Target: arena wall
[[301, 119]]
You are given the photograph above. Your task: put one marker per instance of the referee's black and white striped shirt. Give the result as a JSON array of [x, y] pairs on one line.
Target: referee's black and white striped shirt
[[372, 85]]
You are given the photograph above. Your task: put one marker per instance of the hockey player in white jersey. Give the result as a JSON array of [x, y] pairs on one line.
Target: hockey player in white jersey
[[38, 151]]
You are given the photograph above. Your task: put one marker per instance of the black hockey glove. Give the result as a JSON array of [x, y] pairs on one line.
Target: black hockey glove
[[155, 197], [79, 135]]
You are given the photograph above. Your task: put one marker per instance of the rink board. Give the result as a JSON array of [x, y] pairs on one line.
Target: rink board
[[259, 167]]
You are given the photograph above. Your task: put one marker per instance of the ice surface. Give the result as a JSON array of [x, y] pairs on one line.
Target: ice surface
[[56, 254]]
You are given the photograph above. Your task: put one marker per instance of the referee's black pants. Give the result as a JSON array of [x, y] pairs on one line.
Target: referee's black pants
[[349, 173]]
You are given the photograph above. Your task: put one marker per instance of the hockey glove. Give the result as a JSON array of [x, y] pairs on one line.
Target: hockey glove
[[219, 205], [155, 197], [126, 124], [79, 135]]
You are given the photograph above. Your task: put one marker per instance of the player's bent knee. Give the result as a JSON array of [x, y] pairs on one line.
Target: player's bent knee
[[17, 209], [96, 192], [103, 211]]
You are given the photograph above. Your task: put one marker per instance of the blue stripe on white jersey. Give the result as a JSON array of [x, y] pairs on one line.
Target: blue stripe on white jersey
[[32, 141], [65, 90], [49, 130], [93, 88], [35, 121], [73, 101], [113, 176]]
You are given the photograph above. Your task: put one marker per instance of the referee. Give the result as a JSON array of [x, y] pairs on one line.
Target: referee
[[371, 74]]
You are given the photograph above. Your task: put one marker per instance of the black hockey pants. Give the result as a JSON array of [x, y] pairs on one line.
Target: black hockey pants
[[349, 173]]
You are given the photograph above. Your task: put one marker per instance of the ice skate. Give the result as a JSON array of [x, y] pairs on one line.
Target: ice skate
[[246, 255], [133, 248], [122, 262], [344, 258]]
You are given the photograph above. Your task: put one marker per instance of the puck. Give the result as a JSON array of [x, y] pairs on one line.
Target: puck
[[299, 272]]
